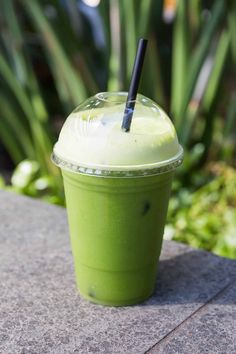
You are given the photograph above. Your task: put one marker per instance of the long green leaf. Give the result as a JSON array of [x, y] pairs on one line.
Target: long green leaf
[[104, 10], [199, 55], [41, 141], [152, 80], [10, 144], [124, 80], [232, 28], [194, 15], [129, 26], [11, 115], [22, 66], [209, 95], [114, 67], [69, 30], [23, 85], [14, 85], [230, 117], [179, 60], [56, 54], [220, 62], [12, 39], [89, 82], [145, 17]]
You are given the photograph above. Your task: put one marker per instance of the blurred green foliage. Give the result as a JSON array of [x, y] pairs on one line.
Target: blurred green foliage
[[206, 218], [188, 70], [27, 179]]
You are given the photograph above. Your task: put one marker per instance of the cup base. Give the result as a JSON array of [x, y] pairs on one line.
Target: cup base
[[128, 302], [115, 288]]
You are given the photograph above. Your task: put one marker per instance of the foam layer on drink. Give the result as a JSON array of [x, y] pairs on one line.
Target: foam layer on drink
[[93, 137]]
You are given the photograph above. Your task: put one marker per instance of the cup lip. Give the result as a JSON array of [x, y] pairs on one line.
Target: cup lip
[[126, 171]]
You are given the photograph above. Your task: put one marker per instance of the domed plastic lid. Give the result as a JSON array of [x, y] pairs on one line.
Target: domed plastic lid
[[92, 141]]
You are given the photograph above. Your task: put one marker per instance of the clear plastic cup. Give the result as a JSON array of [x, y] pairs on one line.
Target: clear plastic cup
[[117, 188]]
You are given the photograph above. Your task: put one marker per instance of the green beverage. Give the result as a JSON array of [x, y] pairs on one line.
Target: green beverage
[[117, 187]]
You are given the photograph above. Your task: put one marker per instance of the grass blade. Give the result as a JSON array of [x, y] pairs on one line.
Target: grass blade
[[232, 28], [56, 54], [208, 95], [212, 90], [230, 117], [14, 85], [151, 81], [10, 144], [145, 12], [67, 26], [41, 140], [199, 56], [12, 117], [194, 14], [21, 63], [129, 26], [114, 66], [179, 59], [220, 61]]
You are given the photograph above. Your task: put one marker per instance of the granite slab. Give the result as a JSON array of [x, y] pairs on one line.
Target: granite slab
[[212, 329], [42, 312]]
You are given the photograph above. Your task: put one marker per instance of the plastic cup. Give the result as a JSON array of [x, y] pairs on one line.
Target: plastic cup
[[117, 198]]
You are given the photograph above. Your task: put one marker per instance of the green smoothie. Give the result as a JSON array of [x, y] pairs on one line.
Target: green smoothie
[[117, 187]]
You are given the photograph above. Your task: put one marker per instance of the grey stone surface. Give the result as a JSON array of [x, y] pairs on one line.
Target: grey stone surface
[[211, 330], [41, 311]]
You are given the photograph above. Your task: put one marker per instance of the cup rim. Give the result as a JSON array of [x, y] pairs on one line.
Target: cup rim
[[120, 170]]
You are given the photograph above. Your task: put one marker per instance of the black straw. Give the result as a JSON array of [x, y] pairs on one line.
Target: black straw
[[134, 83]]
